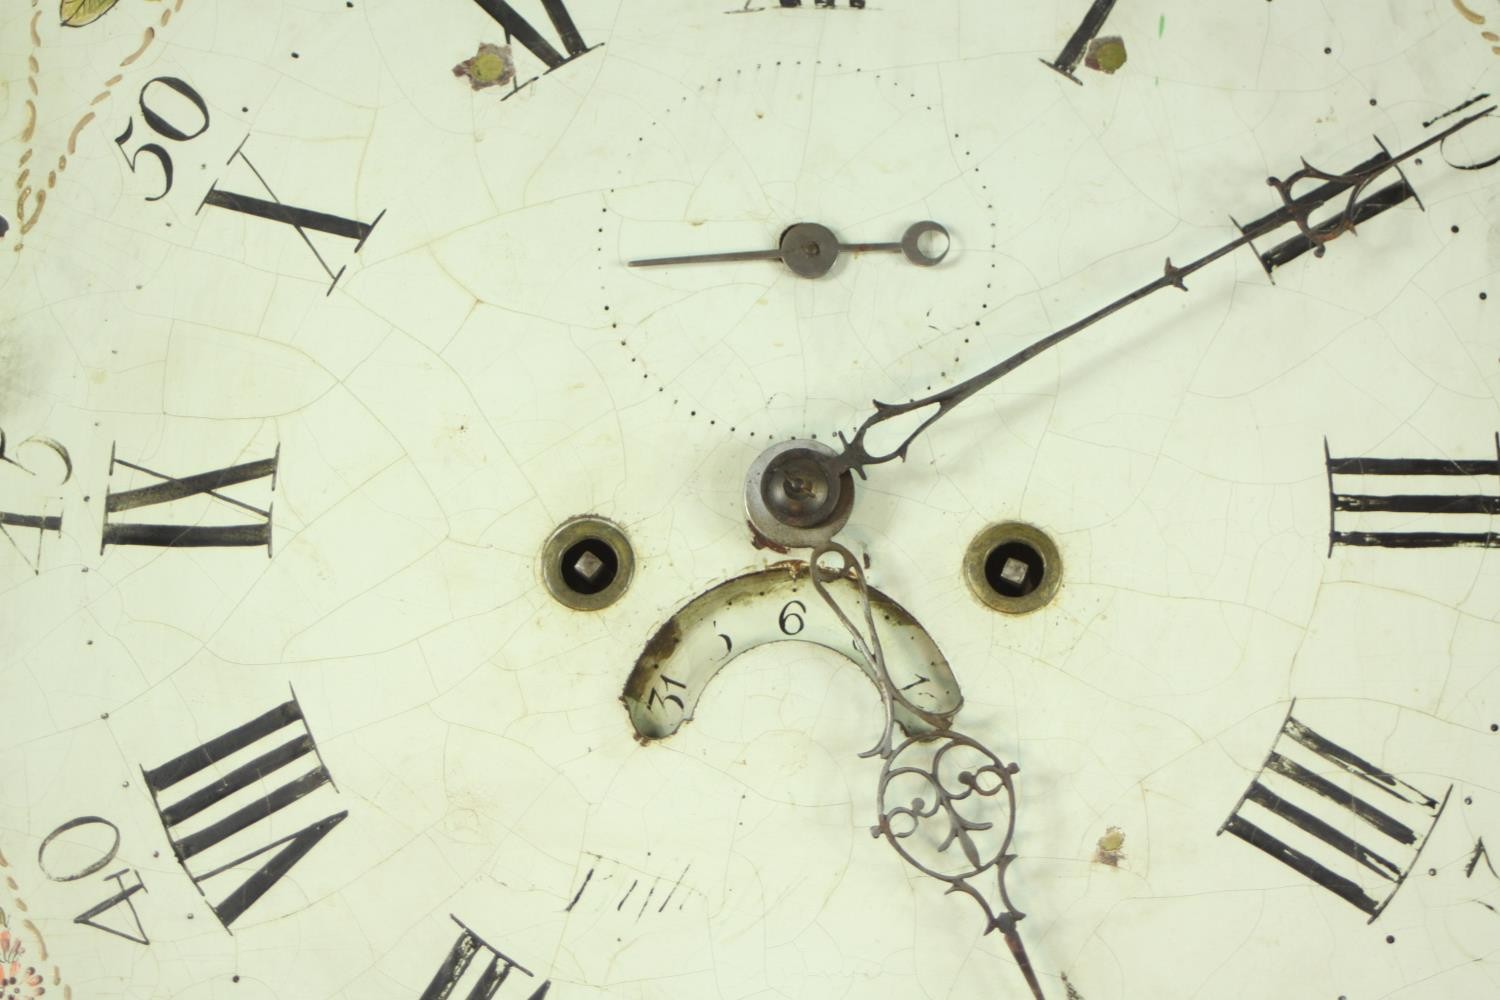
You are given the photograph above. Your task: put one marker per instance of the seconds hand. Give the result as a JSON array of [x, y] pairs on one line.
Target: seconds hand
[[855, 457]]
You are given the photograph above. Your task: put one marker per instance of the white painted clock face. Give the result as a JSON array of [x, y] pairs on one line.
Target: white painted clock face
[[324, 370]]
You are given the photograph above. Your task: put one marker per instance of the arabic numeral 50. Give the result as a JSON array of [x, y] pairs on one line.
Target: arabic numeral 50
[[164, 128]]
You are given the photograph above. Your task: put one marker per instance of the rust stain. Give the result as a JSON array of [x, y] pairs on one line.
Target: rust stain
[[776, 581], [796, 569], [762, 542], [659, 647]]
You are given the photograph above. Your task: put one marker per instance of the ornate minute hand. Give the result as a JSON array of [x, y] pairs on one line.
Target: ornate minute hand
[[855, 457]]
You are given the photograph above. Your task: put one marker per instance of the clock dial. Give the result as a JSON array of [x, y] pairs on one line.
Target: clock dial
[[743, 159], [409, 536]]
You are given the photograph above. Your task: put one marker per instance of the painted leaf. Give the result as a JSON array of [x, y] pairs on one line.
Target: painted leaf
[[77, 13]]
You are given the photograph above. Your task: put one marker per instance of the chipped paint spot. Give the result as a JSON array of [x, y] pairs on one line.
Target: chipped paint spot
[[1111, 847], [491, 66], [1106, 54]]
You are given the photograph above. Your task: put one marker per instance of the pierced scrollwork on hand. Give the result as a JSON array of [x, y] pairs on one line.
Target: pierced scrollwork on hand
[[923, 816], [939, 790], [1300, 209]]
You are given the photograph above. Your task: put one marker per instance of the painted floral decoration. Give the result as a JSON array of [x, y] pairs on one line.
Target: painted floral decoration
[[17, 981], [77, 13]]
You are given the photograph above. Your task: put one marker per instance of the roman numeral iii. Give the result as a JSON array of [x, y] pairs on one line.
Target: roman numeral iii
[[1359, 844], [1467, 504], [289, 743]]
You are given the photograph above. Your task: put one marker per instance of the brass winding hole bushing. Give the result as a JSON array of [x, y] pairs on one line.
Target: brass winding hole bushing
[[587, 563], [1013, 567]]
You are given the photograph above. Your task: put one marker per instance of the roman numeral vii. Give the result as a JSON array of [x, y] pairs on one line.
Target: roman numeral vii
[[250, 798]]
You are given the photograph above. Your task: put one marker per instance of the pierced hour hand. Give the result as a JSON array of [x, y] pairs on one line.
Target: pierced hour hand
[[809, 249], [938, 790]]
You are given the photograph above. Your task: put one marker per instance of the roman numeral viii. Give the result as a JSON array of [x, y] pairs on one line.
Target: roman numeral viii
[[1359, 845], [1424, 477], [249, 781]]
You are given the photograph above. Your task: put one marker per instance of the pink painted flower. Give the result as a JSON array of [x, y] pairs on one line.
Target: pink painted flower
[[17, 981]]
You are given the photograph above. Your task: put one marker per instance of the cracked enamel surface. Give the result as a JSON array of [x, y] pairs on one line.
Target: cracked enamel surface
[[461, 390]]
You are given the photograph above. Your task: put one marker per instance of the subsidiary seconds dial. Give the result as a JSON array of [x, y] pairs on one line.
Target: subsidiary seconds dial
[[791, 177]]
